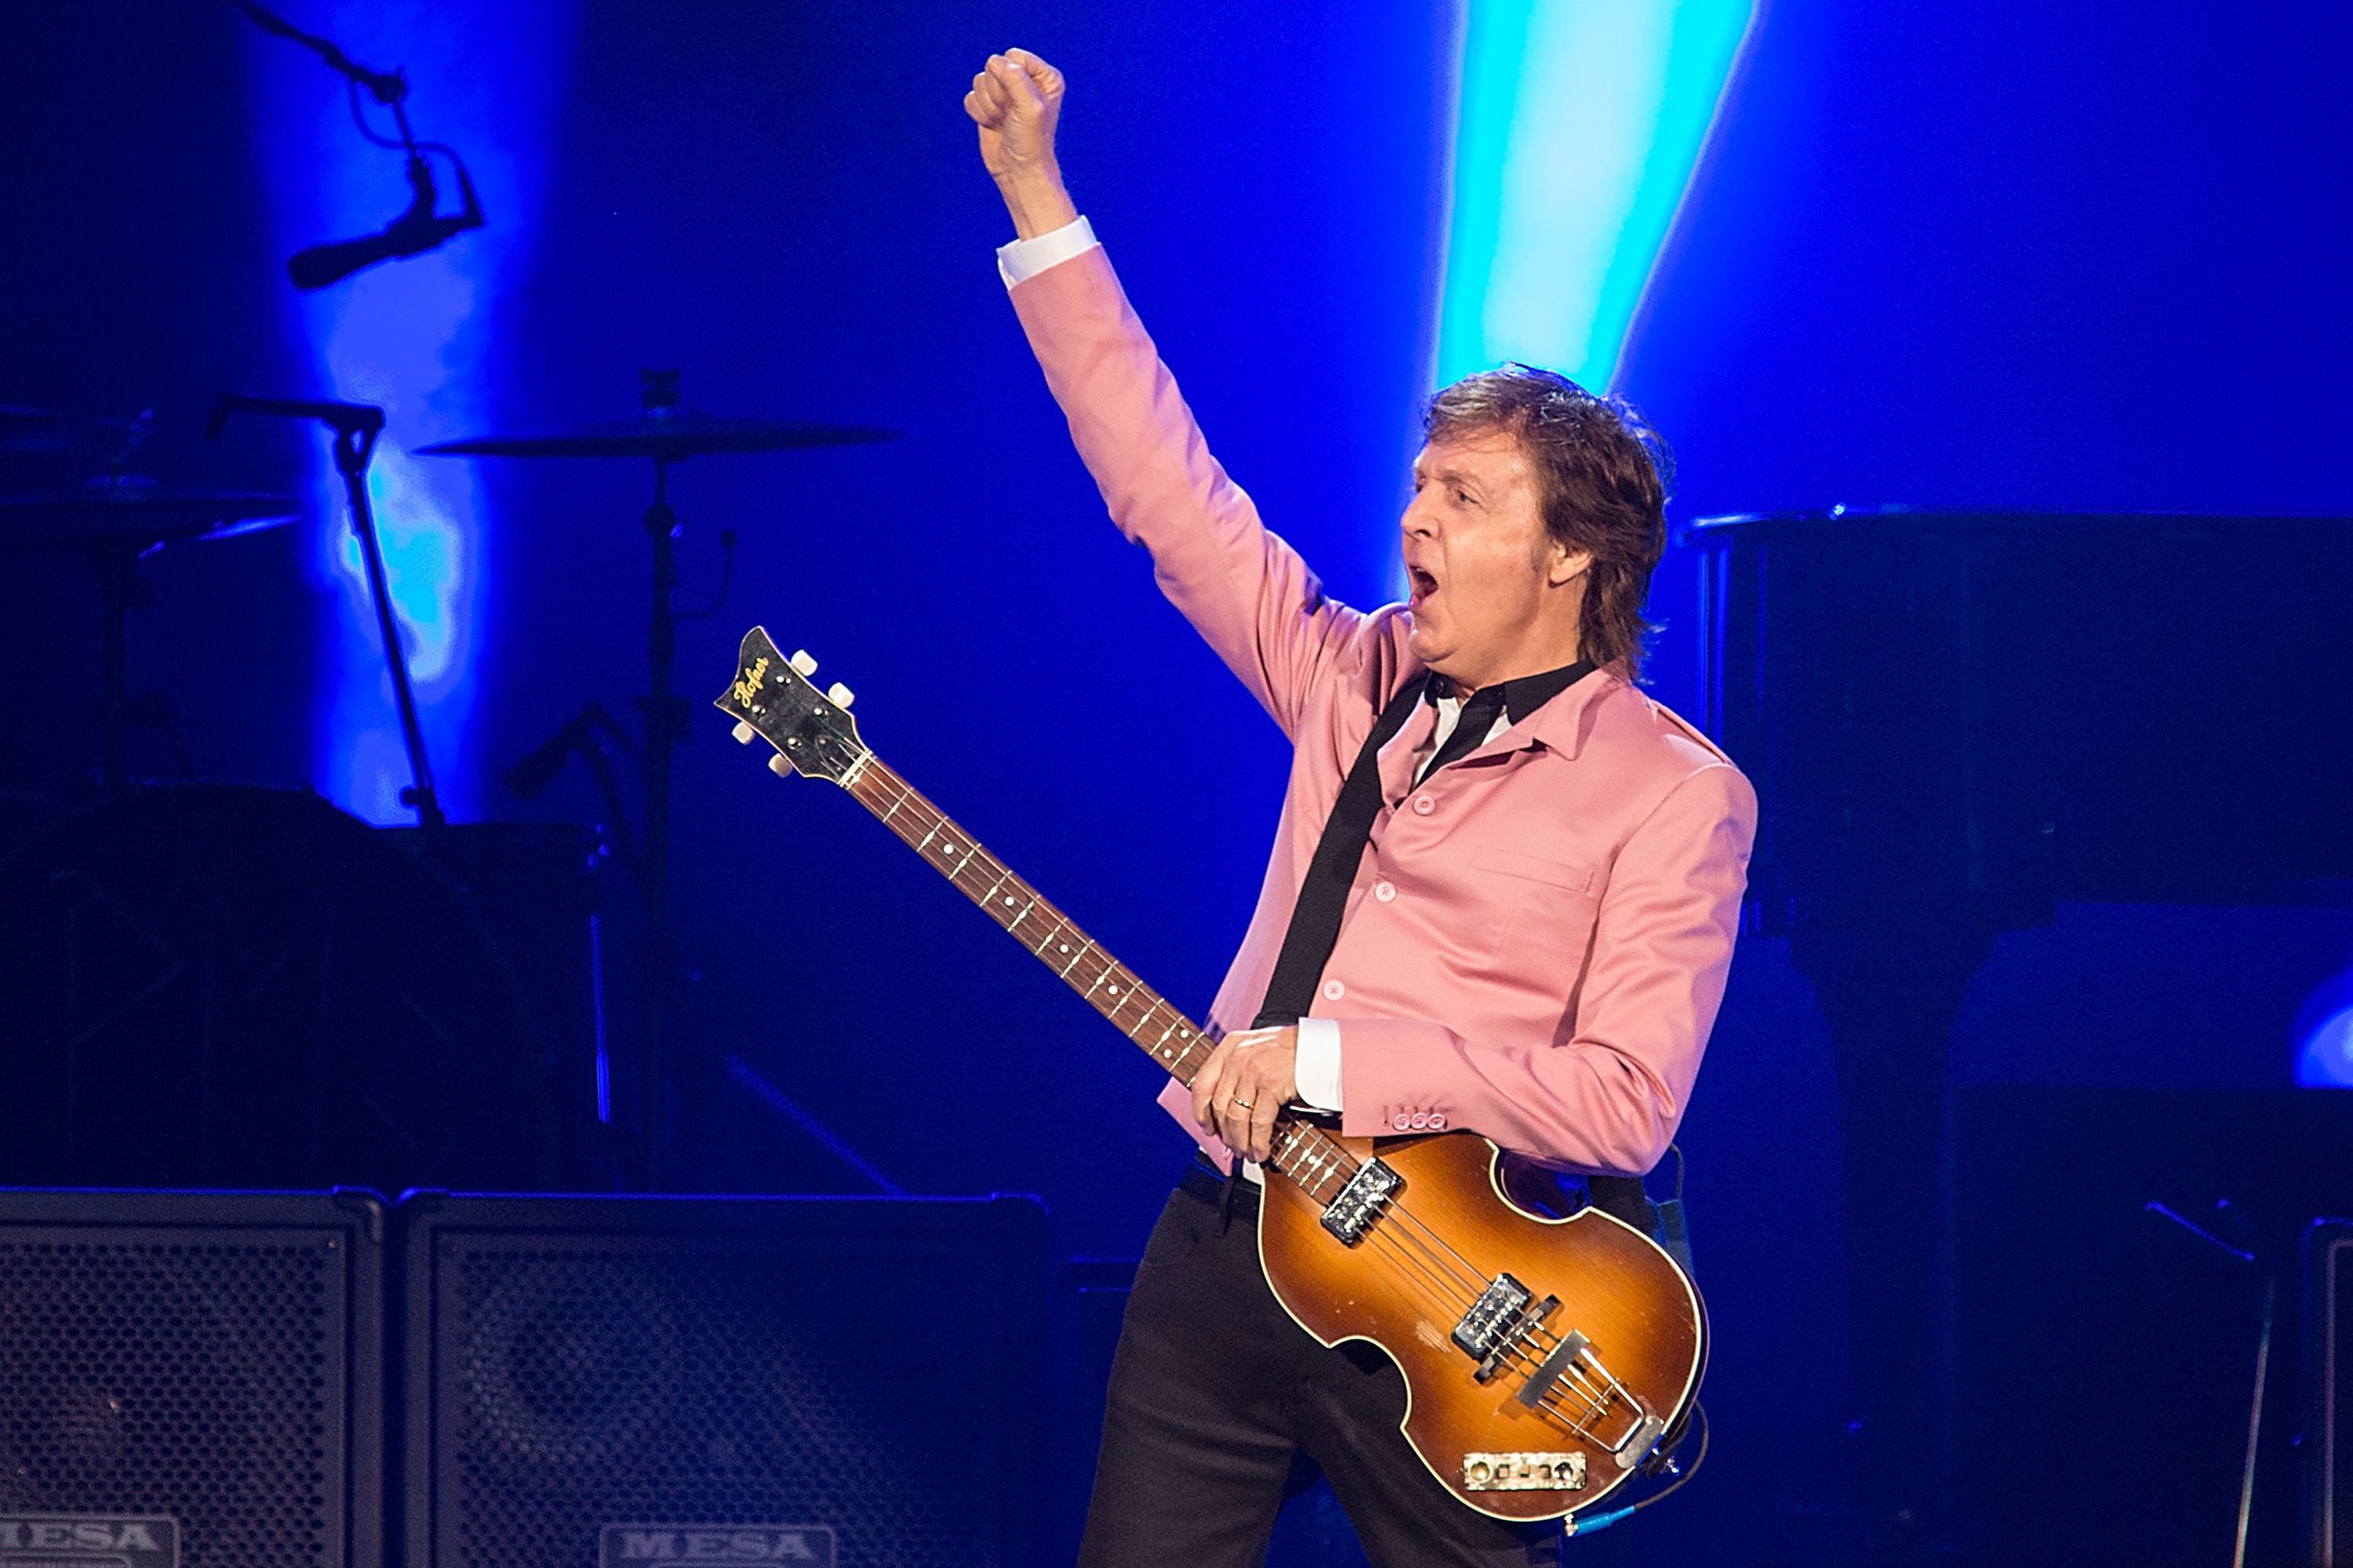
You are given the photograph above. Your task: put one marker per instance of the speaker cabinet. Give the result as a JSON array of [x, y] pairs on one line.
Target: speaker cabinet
[[611, 1381], [197, 1376]]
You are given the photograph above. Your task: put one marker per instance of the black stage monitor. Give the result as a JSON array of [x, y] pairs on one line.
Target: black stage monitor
[[621, 1382]]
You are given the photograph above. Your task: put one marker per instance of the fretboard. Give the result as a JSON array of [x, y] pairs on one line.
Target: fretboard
[[1301, 1150]]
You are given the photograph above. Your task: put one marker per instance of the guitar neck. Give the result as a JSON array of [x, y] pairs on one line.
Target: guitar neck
[[1138, 1012]]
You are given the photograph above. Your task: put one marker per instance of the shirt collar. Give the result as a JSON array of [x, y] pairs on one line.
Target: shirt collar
[[1524, 696]]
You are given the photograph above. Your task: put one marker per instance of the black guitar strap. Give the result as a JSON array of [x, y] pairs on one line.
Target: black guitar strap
[[1315, 928]]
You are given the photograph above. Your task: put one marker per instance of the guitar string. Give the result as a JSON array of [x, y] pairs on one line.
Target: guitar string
[[1596, 1396], [1402, 1249]]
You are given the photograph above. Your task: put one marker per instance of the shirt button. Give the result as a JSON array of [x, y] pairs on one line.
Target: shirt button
[[1383, 891], [1437, 1122], [1423, 805], [1334, 990], [1421, 1118], [1402, 1123]]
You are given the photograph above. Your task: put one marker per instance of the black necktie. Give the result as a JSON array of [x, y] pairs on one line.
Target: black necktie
[[1470, 727], [1323, 894]]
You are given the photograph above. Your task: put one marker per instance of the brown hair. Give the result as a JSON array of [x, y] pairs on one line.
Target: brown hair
[[1602, 474]]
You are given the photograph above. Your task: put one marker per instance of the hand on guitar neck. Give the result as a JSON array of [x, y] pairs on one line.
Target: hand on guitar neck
[[1252, 1075]]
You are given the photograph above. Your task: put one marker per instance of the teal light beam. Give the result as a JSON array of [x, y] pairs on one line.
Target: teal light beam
[[1580, 124]]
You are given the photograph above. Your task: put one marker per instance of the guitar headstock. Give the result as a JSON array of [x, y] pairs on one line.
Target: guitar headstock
[[771, 697]]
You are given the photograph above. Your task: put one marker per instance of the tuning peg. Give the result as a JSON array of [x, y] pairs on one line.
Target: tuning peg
[[781, 765], [745, 732], [801, 662], [842, 695]]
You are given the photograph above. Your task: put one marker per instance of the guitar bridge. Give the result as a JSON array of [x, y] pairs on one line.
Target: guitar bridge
[[1351, 1214], [1596, 1396]]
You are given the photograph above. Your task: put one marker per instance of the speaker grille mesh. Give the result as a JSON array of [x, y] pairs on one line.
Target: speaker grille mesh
[[843, 1381], [195, 1381]]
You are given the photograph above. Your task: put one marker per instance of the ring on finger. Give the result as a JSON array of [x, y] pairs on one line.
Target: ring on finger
[[1238, 1100]]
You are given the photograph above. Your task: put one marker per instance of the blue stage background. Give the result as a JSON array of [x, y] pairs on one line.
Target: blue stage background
[[2083, 257]]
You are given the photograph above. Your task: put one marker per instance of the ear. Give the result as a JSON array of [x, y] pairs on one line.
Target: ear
[[1564, 566]]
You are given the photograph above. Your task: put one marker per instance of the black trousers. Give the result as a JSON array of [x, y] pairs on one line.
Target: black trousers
[[1215, 1391]]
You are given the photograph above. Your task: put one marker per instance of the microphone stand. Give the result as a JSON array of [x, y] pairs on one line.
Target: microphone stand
[[2270, 1273], [357, 427], [415, 230]]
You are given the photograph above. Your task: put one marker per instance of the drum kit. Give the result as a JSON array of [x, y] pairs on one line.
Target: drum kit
[[114, 521]]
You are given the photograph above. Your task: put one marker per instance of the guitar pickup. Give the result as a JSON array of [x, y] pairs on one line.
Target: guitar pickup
[[1503, 1315], [1495, 1311], [1351, 1214]]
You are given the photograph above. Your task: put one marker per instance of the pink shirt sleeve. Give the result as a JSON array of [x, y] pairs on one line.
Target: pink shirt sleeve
[[1244, 589], [1610, 1096]]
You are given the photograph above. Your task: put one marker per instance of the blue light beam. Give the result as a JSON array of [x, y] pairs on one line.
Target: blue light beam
[[415, 337], [1580, 124]]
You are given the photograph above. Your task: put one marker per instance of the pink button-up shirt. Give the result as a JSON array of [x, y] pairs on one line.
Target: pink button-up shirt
[[1537, 939]]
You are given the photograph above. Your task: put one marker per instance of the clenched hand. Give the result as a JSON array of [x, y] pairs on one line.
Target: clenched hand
[[1016, 101]]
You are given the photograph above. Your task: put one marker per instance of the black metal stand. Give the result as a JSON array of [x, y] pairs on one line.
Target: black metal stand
[[665, 725], [357, 427], [120, 591]]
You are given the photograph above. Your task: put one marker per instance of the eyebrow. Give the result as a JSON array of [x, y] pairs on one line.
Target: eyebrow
[[1449, 476]]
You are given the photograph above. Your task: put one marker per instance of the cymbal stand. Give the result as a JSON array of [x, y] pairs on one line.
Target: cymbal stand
[[357, 427], [120, 591], [665, 724]]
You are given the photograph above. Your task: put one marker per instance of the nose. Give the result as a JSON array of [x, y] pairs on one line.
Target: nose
[[1420, 520]]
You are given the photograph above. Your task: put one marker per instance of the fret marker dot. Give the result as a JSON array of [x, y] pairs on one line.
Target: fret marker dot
[[1115, 990], [1008, 903], [1066, 947]]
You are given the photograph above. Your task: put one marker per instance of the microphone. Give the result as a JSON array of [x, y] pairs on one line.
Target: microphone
[[414, 232]]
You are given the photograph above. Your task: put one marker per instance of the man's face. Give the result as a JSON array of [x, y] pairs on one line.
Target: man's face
[[1481, 567]]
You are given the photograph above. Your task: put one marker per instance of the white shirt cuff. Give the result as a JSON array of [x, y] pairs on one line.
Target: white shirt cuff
[[1317, 1068], [1023, 259]]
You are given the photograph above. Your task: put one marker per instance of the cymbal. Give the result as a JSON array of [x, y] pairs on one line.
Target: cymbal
[[133, 508], [26, 429], [666, 435]]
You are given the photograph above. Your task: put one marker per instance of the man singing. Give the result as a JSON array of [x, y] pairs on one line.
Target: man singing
[[1513, 918]]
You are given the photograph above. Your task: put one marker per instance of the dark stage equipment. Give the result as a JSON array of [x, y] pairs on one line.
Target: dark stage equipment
[[113, 522], [2329, 1381], [667, 433], [594, 1380], [26, 429], [1955, 719], [215, 984], [191, 1378], [2104, 1353], [355, 427]]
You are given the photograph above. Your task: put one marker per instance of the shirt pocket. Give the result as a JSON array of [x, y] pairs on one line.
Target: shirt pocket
[[1534, 868], [1546, 916]]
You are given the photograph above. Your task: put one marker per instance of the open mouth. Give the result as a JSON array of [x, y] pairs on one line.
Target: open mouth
[[1422, 585]]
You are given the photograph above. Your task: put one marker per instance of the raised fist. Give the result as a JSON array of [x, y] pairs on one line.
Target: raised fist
[[1015, 100]]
